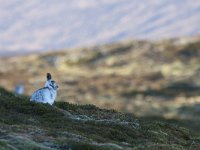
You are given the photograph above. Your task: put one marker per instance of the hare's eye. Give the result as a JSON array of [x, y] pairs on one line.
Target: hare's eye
[[53, 83]]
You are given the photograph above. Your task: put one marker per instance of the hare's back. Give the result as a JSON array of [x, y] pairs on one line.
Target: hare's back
[[40, 95]]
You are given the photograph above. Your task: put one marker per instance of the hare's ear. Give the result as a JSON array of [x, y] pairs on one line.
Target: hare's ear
[[48, 76]]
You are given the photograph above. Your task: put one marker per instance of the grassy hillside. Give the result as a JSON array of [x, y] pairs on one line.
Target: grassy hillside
[[155, 80], [143, 77], [28, 125]]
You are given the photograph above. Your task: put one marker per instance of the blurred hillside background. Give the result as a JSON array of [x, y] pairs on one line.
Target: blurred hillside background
[[134, 56]]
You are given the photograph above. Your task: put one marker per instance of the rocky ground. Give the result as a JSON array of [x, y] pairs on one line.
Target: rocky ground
[[28, 125]]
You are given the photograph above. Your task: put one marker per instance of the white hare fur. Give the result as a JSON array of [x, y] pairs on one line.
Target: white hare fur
[[47, 94]]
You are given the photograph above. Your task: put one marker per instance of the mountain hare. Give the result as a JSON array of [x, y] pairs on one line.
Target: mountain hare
[[19, 89], [48, 93]]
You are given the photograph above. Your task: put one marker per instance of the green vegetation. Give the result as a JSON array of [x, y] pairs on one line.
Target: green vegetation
[[29, 125]]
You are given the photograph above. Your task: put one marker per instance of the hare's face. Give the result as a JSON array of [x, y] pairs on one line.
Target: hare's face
[[52, 84]]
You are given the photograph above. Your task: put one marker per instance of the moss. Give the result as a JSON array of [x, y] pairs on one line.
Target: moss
[[75, 107], [160, 132], [5, 146], [24, 144], [67, 106], [157, 136], [86, 146], [83, 146], [88, 110], [195, 144], [159, 147], [2, 143], [125, 117]]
